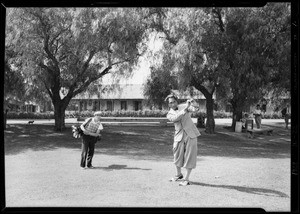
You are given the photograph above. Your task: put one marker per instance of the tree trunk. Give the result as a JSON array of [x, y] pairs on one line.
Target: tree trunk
[[210, 120], [59, 116], [160, 106], [237, 113], [5, 118]]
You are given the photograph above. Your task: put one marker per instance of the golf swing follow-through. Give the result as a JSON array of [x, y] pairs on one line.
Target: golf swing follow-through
[[185, 138]]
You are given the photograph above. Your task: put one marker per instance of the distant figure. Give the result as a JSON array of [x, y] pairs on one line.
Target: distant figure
[[286, 113], [257, 116], [246, 117], [30, 121], [185, 138]]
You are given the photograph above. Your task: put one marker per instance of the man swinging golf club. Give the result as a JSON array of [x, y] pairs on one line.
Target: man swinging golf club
[[185, 138]]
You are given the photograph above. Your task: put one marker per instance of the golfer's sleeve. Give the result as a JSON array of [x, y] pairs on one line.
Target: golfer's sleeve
[[83, 124], [193, 109], [175, 117]]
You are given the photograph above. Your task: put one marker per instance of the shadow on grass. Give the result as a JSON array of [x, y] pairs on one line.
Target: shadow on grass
[[144, 142], [251, 190], [119, 167]]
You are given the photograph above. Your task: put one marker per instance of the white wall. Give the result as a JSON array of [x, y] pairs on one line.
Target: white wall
[[117, 105]]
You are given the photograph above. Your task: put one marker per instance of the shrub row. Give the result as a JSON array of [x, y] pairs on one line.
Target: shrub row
[[143, 113], [30, 115], [275, 115]]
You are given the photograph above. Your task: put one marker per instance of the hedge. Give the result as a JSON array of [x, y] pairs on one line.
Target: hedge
[[141, 113], [30, 115]]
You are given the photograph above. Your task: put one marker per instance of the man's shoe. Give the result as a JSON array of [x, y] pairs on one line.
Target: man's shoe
[[184, 183], [82, 167], [91, 167], [176, 178]]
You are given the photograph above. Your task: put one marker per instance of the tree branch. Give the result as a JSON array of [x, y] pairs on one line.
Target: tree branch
[[45, 28], [50, 55], [159, 26], [86, 64], [119, 62], [48, 90], [202, 89], [58, 34], [89, 81], [218, 16], [84, 68], [46, 68]]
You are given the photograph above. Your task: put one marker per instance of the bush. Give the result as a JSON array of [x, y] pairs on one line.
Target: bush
[[274, 115], [222, 114], [30, 115], [199, 114], [122, 113]]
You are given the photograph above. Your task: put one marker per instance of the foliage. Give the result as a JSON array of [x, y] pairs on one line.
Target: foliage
[[252, 46], [141, 113], [256, 54], [65, 50], [14, 88], [274, 115], [240, 52], [183, 54], [30, 115], [159, 85], [84, 114]]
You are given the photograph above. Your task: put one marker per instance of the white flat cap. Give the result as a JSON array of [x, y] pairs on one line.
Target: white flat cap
[[97, 113]]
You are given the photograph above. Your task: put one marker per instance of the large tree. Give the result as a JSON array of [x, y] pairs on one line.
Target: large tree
[[14, 87], [65, 50], [183, 29], [159, 84], [253, 50], [237, 50]]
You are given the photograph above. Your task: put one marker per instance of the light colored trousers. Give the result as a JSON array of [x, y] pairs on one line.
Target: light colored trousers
[[258, 121], [185, 152]]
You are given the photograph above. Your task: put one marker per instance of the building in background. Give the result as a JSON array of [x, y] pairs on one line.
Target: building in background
[[127, 97]]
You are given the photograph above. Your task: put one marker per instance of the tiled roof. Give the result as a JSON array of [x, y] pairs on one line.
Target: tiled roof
[[186, 95], [121, 91], [132, 91]]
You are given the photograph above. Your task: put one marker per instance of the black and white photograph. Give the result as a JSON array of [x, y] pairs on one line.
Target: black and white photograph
[[112, 106]]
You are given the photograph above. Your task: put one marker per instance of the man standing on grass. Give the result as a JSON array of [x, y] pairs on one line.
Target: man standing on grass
[[91, 129], [185, 138], [257, 116], [286, 113]]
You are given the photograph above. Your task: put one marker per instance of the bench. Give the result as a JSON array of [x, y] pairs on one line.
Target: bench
[[251, 132]]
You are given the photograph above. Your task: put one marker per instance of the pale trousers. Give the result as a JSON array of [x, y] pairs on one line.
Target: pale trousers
[[185, 152], [258, 121]]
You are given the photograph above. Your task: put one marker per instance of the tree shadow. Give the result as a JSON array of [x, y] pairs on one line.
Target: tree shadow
[[251, 190], [119, 167], [142, 142]]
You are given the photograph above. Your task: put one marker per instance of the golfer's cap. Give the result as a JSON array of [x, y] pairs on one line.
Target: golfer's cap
[[171, 95], [97, 113]]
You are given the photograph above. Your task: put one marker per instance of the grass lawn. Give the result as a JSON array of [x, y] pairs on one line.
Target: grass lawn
[[146, 142], [133, 164]]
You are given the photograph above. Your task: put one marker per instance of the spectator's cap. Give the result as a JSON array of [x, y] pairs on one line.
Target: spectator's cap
[[171, 96], [98, 113]]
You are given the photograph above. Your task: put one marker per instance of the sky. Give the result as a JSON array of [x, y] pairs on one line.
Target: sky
[[139, 76]]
